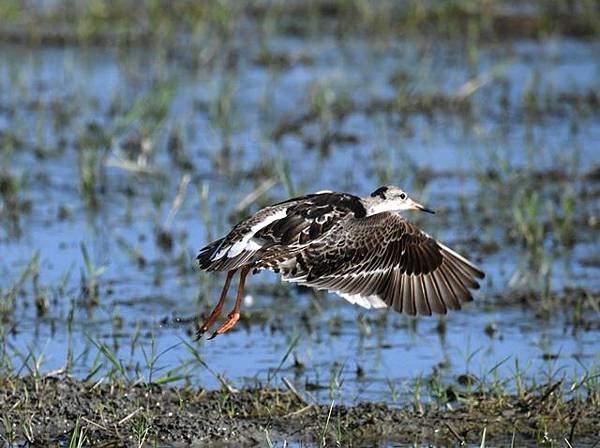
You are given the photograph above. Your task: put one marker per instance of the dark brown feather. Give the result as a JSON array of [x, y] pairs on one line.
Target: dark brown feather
[[415, 274], [327, 241], [306, 218]]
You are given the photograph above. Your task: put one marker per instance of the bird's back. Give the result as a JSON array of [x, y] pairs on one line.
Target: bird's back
[[279, 227]]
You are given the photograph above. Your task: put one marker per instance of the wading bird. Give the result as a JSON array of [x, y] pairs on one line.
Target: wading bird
[[359, 248]]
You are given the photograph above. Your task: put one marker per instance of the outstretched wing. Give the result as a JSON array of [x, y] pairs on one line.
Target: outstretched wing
[[384, 260], [284, 225]]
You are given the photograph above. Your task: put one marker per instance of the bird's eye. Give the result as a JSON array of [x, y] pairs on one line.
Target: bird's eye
[[403, 196]]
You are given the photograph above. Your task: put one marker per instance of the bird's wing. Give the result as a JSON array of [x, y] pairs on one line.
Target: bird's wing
[[311, 218], [384, 260], [285, 225]]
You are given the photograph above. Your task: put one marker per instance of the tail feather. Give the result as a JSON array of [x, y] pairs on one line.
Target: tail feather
[[204, 257], [208, 262]]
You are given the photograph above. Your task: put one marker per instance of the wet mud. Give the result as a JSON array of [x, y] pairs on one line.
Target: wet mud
[[41, 411]]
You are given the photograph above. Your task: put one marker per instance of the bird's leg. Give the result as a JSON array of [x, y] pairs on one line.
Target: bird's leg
[[234, 316], [217, 309]]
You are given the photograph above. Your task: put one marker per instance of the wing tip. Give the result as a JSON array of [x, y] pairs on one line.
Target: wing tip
[[476, 270]]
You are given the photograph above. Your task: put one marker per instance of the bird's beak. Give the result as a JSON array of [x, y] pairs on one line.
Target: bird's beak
[[417, 206]]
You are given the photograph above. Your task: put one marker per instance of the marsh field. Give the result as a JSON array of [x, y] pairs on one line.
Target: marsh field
[[132, 133]]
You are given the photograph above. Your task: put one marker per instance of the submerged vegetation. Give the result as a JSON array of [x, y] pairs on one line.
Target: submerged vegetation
[[129, 136]]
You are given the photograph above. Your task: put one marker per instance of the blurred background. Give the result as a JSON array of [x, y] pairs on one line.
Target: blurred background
[[134, 132]]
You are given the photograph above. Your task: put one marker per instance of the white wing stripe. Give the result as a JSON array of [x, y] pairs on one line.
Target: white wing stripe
[[372, 301]]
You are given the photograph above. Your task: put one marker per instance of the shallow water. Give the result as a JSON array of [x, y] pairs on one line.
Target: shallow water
[[224, 118]]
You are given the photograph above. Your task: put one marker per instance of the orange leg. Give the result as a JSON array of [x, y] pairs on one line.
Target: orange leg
[[214, 315], [234, 316]]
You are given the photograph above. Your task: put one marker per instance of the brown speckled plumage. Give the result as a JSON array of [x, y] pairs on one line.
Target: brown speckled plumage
[[359, 248]]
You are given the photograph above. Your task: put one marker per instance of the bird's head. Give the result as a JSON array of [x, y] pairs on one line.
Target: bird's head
[[391, 199]]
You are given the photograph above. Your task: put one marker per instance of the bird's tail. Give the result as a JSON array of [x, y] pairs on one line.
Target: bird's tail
[[204, 257]]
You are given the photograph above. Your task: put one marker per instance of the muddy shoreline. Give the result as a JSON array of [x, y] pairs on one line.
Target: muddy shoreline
[[40, 411]]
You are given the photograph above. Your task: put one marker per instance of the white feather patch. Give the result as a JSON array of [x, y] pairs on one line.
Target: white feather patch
[[254, 244], [299, 279], [302, 278], [364, 273], [372, 301], [390, 205], [248, 242], [221, 253]]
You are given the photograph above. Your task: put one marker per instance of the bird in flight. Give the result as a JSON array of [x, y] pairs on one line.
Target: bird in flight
[[359, 248]]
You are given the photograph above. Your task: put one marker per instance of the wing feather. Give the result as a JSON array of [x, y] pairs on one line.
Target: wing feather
[[421, 302], [437, 303], [451, 297], [407, 297], [385, 256], [399, 283]]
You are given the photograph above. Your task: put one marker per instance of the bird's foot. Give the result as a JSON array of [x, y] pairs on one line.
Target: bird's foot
[[200, 331], [232, 319], [206, 326]]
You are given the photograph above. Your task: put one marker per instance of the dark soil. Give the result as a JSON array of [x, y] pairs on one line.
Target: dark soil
[[46, 411]]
